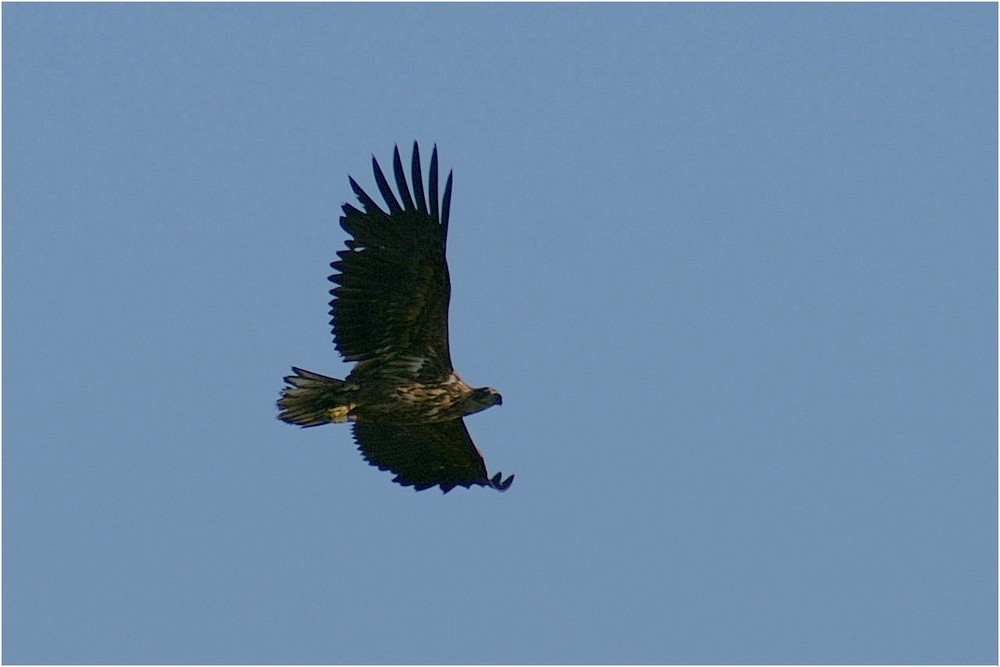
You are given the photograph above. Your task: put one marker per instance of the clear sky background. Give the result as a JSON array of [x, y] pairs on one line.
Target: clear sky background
[[734, 269]]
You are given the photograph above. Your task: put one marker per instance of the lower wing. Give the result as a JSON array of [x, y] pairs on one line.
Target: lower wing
[[425, 455]]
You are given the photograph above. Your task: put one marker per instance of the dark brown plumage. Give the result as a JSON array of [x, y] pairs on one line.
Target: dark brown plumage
[[390, 316]]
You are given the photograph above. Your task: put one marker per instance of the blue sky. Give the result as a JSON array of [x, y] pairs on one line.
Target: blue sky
[[733, 267]]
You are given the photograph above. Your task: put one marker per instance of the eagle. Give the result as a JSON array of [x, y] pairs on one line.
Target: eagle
[[389, 315]]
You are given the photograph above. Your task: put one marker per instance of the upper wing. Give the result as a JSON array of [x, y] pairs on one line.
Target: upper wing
[[425, 455], [393, 286]]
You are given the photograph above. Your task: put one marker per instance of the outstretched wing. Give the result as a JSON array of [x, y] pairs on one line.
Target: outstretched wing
[[425, 455], [393, 287]]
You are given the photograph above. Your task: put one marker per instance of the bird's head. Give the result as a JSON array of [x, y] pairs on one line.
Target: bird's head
[[482, 398]]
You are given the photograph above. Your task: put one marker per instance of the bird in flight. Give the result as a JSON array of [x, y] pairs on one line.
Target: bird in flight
[[389, 314]]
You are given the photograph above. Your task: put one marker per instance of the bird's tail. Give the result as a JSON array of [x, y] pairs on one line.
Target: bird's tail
[[311, 399]]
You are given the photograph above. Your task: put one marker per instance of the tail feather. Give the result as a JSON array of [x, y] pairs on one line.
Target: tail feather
[[311, 399]]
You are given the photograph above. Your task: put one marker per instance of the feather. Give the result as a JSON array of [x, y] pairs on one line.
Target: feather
[[434, 183], [446, 206], [418, 180], [383, 187], [404, 191], [366, 201]]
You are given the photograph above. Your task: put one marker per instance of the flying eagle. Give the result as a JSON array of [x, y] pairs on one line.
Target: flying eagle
[[390, 316]]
